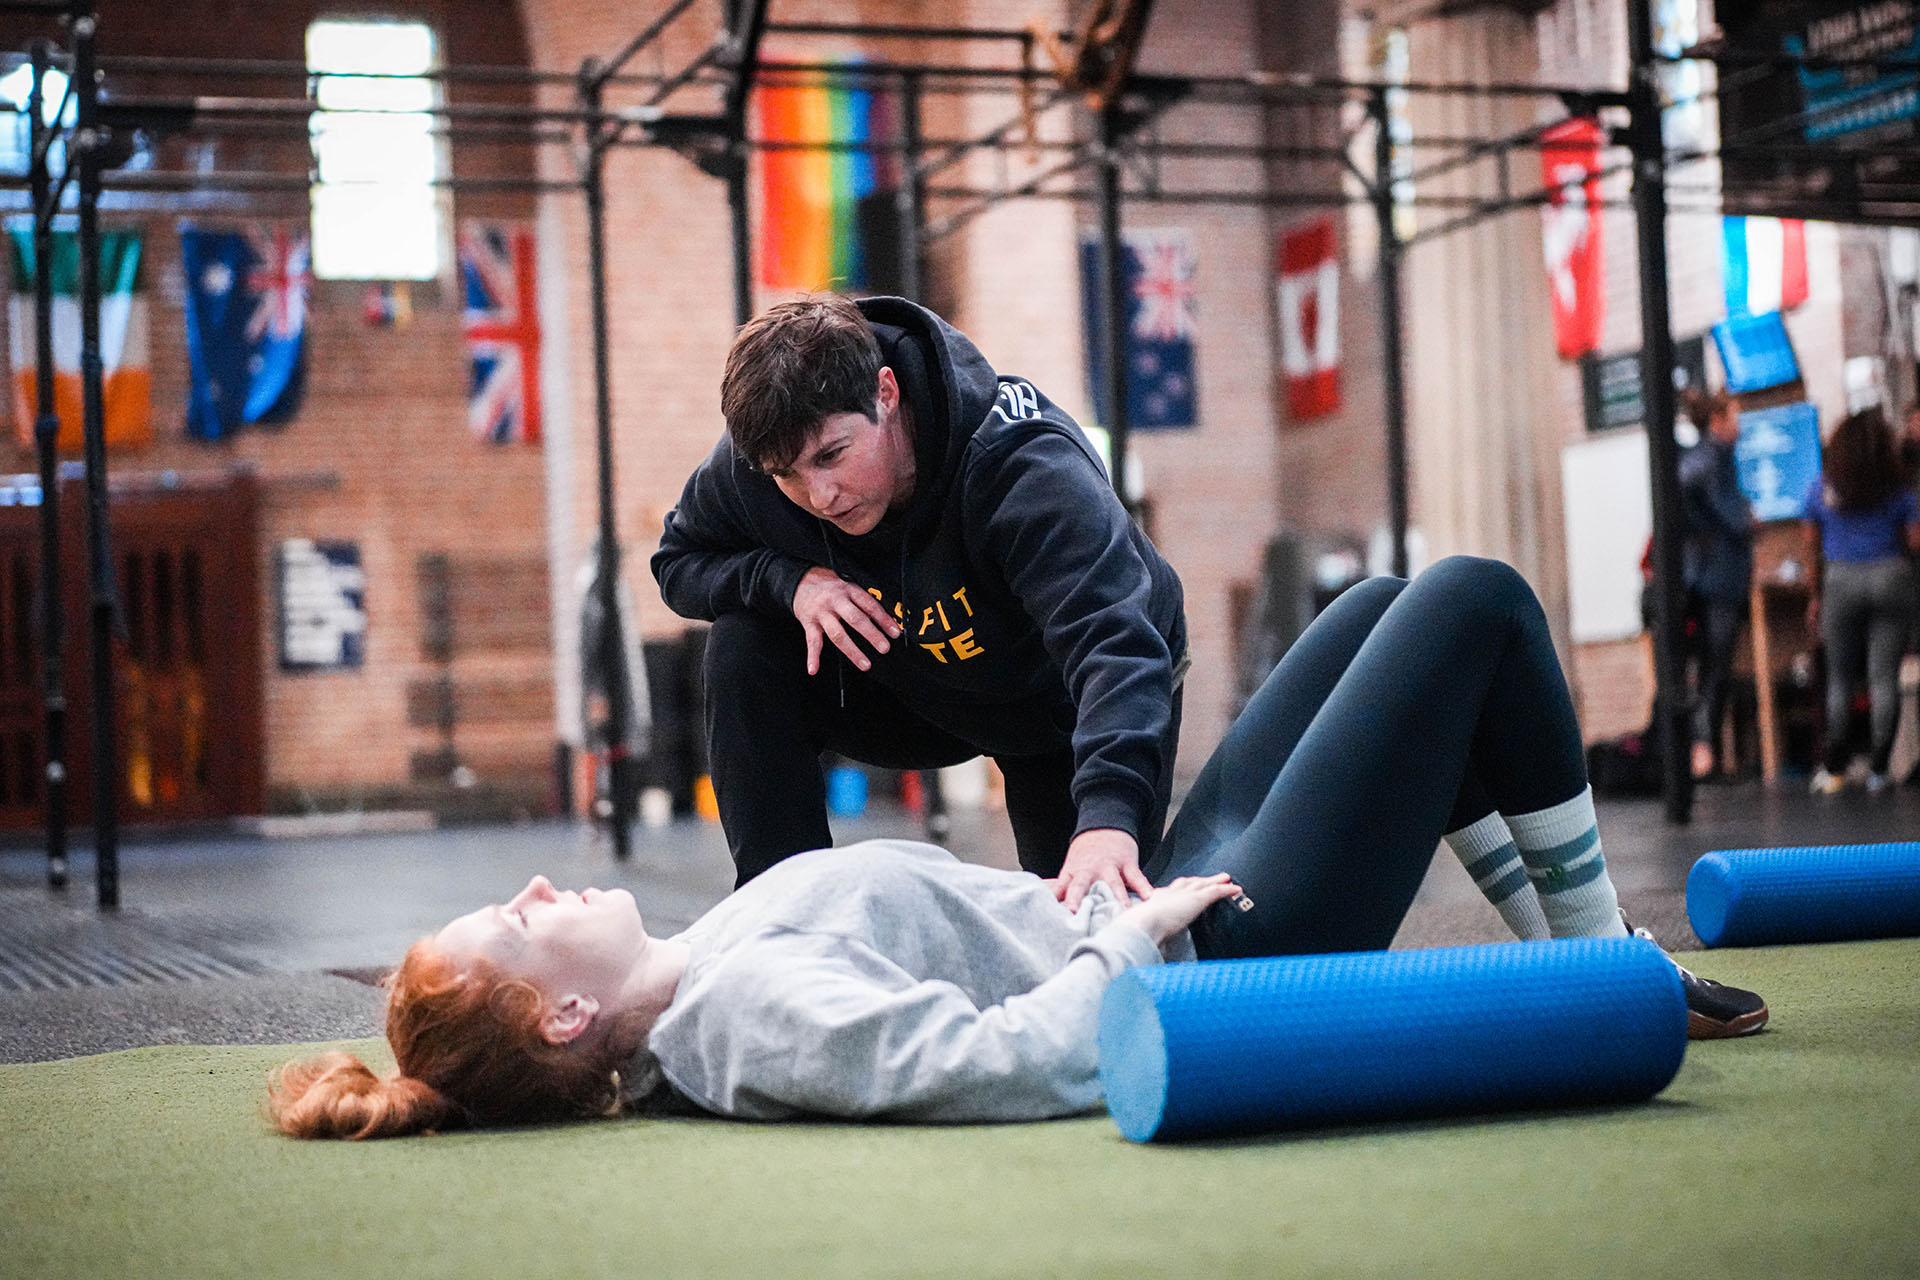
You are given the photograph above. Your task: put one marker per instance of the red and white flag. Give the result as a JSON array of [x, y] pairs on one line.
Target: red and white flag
[[1570, 227], [1309, 291]]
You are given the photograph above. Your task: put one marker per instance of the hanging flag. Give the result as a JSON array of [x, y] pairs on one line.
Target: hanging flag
[[827, 213], [127, 402], [388, 305], [1162, 315], [1570, 231], [246, 325], [503, 331], [1309, 291], [1764, 264]]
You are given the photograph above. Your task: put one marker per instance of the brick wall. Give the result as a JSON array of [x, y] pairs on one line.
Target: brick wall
[[1009, 279], [379, 452]]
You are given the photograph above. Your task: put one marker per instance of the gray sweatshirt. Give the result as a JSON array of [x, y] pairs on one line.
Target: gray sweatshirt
[[890, 980]]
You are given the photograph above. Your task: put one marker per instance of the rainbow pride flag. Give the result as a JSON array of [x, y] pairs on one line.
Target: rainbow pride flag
[[826, 216]]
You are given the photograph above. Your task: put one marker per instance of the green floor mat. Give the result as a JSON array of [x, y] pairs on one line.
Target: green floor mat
[[1793, 1153]]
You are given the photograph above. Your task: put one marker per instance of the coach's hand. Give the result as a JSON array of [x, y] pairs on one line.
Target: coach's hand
[[831, 608], [1104, 853]]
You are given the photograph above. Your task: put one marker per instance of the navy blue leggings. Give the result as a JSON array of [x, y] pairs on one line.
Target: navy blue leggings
[[1404, 712]]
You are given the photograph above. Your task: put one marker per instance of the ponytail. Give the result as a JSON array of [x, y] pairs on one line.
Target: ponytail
[[338, 1096], [467, 1040]]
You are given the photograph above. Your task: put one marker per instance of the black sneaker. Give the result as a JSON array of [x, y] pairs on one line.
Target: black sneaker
[[1715, 1011]]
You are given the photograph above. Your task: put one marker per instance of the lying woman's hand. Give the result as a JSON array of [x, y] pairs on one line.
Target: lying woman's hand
[[1175, 906]]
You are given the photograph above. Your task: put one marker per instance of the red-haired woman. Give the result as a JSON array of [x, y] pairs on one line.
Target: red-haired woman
[[891, 980], [1862, 523]]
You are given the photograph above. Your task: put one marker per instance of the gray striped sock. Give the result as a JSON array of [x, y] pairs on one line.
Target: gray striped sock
[[1561, 848], [1486, 849]]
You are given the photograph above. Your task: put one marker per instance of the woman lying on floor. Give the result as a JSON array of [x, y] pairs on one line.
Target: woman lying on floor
[[889, 980]]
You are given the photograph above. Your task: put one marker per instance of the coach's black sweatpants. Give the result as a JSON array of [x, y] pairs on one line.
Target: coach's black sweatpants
[[768, 722]]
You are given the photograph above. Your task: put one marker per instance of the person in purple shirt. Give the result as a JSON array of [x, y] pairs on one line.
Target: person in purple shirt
[[1862, 522]]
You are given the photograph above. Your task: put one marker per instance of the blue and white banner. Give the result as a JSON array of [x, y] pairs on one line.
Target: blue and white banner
[[246, 325], [1162, 316]]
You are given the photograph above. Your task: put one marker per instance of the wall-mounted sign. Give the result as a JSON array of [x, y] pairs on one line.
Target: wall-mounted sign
[[323, 605], [1830, 131], [1611, 384], [1778, 457], [1756, 352]]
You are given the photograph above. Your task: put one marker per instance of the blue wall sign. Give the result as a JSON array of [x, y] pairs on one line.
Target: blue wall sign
[[1778, 458]]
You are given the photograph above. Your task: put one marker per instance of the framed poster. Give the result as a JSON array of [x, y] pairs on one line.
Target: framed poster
[[322, 591]]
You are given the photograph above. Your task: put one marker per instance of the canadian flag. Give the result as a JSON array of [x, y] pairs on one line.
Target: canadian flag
[[1765, 264], [1570, 232], [1309, 291]]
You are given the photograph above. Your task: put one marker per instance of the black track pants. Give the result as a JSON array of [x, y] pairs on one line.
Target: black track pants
[[768, 722]]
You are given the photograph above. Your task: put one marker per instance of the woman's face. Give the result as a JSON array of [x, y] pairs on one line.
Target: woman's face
[[564, 943]]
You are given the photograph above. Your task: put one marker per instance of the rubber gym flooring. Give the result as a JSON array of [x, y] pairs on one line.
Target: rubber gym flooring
[[132, 1142]]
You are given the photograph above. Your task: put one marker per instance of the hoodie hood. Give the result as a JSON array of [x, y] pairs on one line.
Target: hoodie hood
[[950, 389]]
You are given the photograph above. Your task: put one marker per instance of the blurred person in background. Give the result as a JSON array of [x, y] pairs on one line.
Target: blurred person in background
[[1716, 564], [1862, 526], [1910, 461]]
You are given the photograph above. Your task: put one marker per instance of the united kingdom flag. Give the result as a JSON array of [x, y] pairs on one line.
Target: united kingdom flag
[[503, 331]]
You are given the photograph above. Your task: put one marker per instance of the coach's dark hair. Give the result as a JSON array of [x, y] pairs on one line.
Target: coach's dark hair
[[791, 368]]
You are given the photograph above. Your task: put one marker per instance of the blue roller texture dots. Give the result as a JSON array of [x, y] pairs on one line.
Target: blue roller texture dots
[[1234, 1047], [1754, 897]]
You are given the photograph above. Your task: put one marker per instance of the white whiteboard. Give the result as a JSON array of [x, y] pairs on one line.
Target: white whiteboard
[[1609, 513]]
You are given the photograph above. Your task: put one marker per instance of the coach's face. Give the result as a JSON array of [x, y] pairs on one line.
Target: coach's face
[[854, 469]]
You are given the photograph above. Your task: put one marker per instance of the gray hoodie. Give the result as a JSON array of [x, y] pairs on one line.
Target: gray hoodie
[[890, 980]]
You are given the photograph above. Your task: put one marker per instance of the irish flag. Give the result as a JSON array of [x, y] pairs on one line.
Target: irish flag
[[825, 214], [123, 338]]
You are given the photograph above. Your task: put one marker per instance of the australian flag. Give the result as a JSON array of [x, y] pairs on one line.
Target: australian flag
[[1162, 314], [503, 331], [246, 325]]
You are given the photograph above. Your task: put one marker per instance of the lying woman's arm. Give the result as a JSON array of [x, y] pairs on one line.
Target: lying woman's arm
[[803, 1023]]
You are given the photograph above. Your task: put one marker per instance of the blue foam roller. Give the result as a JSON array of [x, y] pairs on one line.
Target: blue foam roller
[[1244, 1046], [1836, 893]]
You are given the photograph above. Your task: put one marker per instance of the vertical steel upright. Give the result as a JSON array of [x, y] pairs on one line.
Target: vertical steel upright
[[1656, 388], [1113, 283], [88, 142], [910, 197], [46, 432], [1393, 372], [613, 647], [746, 21]]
